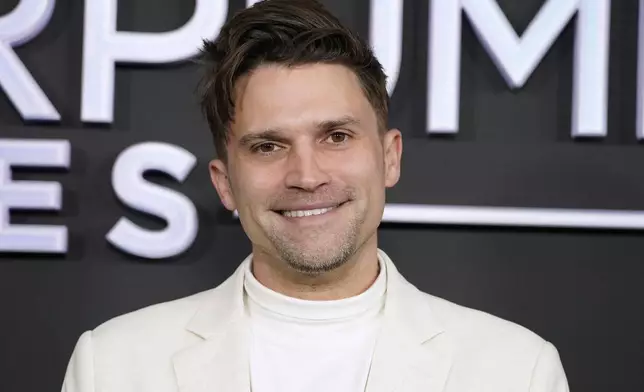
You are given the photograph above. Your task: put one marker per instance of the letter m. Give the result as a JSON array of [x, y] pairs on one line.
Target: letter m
[[517, 57]]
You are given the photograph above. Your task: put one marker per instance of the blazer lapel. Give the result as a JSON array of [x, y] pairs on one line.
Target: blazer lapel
[[412, 352], [219, 361]]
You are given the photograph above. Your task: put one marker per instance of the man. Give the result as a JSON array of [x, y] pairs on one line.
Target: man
[[298, 109]]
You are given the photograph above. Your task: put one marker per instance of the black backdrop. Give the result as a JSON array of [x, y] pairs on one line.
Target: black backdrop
[[579, 289]]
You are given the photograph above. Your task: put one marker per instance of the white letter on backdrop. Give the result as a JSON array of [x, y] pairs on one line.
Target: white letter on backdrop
[[31, 195], [26, 21], [103, 47], [176, 209], [517, 57], [640, 75], [385, 35]]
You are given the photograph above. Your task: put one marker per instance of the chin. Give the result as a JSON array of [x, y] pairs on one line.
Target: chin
[[314, 262], [314, 269]]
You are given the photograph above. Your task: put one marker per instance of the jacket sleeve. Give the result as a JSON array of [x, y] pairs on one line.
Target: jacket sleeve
[[548, 374], [80, 370]]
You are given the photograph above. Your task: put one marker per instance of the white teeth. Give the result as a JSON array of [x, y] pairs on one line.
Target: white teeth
[[302, 213]]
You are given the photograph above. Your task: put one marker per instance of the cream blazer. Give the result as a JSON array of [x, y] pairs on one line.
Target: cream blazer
[[198, 344]]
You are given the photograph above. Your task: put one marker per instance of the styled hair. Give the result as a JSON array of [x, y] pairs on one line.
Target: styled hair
[[288, 33]]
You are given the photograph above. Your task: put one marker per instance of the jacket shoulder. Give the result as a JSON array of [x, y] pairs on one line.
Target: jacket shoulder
[[150, 324], [469, 322], [487, 347], [486, 344], [136, 347]]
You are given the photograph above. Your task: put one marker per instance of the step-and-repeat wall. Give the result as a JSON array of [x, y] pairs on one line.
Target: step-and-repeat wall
[[521, 195]]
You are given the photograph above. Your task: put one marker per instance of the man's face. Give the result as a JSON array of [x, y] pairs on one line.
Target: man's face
[[307, 167]]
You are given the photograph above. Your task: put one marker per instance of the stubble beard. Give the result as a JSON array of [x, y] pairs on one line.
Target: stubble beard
[[332, 252]]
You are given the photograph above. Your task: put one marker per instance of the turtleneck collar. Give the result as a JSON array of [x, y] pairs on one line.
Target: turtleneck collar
[[303, 310]]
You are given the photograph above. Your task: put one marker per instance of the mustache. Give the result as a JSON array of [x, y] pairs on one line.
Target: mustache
[[326, 195]]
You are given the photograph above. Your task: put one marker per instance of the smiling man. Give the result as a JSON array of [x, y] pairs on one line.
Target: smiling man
[[298, 110], [306, 164]]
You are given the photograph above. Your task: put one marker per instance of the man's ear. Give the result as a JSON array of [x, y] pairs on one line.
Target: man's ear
[[392, 143], [219, 178]]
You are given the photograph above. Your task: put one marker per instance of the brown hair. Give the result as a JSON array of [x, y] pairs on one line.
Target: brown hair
[[287, 32]]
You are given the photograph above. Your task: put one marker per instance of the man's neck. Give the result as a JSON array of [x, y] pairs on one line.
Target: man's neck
[[352, 278]]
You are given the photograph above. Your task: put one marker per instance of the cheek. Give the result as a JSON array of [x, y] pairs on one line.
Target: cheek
[[254, 186], [369, 163], [363, 169], [253, 189]]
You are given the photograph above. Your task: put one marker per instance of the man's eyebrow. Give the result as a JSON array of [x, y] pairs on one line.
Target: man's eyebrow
[[327, 125], [267, 134]]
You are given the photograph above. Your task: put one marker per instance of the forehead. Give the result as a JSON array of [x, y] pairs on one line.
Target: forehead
[[275, 96]]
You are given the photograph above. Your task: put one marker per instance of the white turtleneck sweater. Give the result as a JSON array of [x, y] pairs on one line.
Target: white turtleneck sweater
[[300, 345]]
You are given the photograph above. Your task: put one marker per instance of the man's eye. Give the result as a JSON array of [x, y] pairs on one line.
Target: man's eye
[[266, 148], [338, 137]]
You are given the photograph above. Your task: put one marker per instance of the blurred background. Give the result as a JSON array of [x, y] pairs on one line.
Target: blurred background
[[521, 166]]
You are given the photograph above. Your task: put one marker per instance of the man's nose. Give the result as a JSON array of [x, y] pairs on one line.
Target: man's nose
[[305, 170]]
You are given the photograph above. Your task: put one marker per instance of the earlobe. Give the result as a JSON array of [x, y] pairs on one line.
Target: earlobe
[[393, 155], [219, 178]]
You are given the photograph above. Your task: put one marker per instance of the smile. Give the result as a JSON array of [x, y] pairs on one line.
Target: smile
[[303, 213]]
